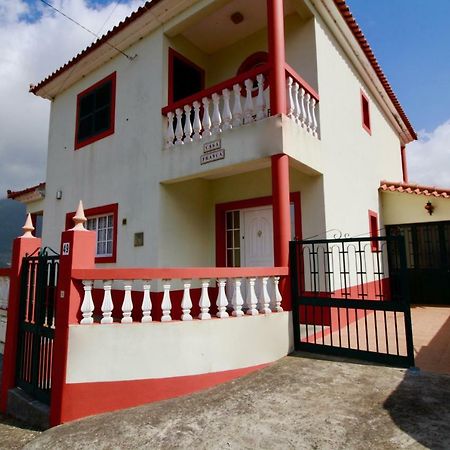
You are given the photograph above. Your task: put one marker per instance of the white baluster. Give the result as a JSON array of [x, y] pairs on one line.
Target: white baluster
[[237, 301], [264, 298], [260, 100], [206, 122], [297, 109], [216, 118], [197, 122], [166, 305], [222, 301], [204, 302], [87, 307], [226, 113], [290, 98], [314, 119], [107, 304], [251, 299], [278, 298], [302, 106], [237, 107], [146, 303], [248, 107], [308, 111], [127, 305], [187, 124], [170, 135], [186, 303], [179, 129]]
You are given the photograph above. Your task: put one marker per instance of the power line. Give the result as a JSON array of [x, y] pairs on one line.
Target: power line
[[87, 29]]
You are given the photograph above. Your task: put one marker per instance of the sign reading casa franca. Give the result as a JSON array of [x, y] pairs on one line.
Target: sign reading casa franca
[[212, 151]]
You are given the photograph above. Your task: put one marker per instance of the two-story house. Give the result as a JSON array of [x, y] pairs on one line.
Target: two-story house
[[202, 135]]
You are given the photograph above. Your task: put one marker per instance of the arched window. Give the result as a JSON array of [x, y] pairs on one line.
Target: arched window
[[253, 61]]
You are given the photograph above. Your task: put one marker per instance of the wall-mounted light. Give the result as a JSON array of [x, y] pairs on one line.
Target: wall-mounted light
[[59, 195], [429, 207]]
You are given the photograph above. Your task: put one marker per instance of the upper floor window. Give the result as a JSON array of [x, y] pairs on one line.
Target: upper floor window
[[95, 112], [365, 111]]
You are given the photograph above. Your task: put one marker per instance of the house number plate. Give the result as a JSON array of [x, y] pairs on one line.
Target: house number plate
[[212, 156]]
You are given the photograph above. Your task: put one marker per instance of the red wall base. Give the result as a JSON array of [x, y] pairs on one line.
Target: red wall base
[[86, 399]]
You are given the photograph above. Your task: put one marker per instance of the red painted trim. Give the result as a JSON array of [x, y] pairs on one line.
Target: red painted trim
[[86, 399], [365, 112], [404, 164], [277, 57], [373, 229], [159, 273], [5, 272], [304, 84], [99, 211], [228, 84], [79, 144], [222, 208], [173, 54]]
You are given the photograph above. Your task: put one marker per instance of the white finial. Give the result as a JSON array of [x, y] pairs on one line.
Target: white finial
[[79, 218], [28, 228]]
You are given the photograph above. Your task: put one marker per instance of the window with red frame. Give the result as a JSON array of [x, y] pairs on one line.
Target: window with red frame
[[373, 229], [102, 220], [365, 112], [95, 112]]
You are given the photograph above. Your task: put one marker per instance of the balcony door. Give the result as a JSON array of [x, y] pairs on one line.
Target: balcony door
[[185, 77]]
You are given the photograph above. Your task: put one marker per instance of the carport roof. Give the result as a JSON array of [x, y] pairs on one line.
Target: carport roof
[[390, 186]]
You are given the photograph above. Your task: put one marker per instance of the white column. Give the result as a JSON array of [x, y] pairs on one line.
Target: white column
[[297, 109], [222, 301], [237, 301], [186, 303], [107, 304], [166, 305], [265, 298], [206, 122], [87, 306], [308, 111], [216, 118], [237, 107], [127, 305], [170, 135], [179, 129], [146, 303], [302, 107], [290, 98], [187, 124], [278, 298], [251, 299], [197, 123], [204, 303], [226, 113], [313, 113], [260, 100], [248, 107]]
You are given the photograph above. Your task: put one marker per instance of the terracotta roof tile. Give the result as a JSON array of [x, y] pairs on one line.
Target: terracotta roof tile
[[390, 186], [15, 194]]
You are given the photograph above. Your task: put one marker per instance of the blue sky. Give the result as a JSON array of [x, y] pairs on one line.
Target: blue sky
[[411, 40]]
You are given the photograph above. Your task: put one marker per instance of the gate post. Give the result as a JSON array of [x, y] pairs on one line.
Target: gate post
[[77, 252], [22, 246]]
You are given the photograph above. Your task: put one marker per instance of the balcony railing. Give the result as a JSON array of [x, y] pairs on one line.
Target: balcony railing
[[265, 301], [238, 101]]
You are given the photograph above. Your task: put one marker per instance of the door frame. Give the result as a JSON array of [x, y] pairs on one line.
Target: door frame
[[222, 208]]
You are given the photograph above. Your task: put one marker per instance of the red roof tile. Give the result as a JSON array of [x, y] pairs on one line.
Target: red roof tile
[[390, 186], [15, 194]]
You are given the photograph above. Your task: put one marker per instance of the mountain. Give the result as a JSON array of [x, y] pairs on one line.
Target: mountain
[[12, 218]]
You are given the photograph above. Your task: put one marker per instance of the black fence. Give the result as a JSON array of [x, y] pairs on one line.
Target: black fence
[[37, 324], [350, 298]]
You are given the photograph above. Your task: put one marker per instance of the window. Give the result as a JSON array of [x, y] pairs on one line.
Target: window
[[102, 220], [365, 112], [104, 226], [233, 239], [95, 112], [373, 229]]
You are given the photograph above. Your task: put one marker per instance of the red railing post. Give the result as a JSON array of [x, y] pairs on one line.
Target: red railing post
[[77, 252], [22, 246]]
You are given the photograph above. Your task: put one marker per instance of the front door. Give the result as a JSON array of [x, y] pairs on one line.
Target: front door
[[257, 237]]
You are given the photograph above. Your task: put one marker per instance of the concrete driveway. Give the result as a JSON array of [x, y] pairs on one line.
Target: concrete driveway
[[297, 402]]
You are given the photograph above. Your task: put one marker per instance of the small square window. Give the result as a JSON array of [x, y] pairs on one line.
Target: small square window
[[365, 110]]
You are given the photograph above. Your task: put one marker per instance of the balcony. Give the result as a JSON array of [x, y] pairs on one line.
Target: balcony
[[230, 124]]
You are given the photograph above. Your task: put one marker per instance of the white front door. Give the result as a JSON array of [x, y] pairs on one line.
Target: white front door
[[257, 237]]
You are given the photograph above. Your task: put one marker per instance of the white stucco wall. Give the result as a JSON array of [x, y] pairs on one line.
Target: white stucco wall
[[136, 351]]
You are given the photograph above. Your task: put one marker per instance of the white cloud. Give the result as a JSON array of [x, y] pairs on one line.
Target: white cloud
[[429, 157], [35, 41]]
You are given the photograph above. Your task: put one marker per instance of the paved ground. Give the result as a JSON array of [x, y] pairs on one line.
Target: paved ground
[[296, 403]]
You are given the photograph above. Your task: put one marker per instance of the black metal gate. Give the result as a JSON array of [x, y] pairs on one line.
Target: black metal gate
[[427, 260], [351, 298], [39, 277]]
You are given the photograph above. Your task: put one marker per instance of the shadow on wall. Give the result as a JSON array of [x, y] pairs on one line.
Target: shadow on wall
[[426, 394]]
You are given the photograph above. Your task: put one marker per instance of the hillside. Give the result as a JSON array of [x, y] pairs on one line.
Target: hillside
[[12, 218]]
